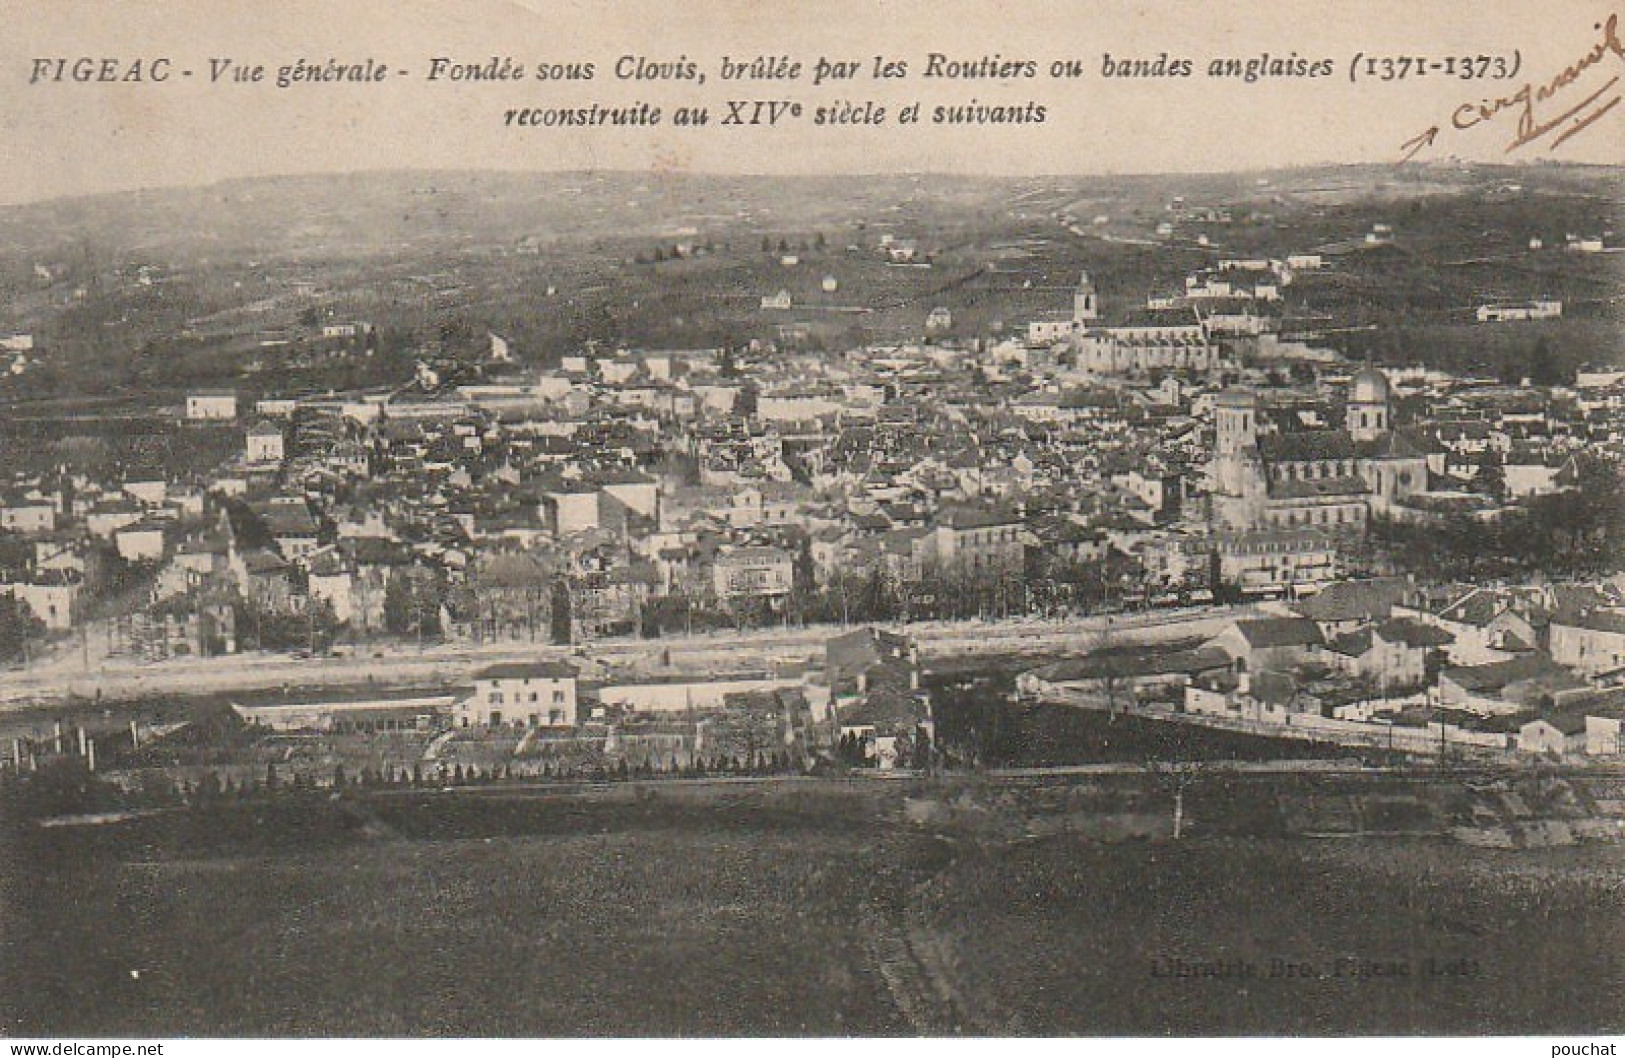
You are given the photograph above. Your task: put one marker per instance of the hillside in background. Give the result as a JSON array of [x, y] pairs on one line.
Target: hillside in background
[[140, 294]]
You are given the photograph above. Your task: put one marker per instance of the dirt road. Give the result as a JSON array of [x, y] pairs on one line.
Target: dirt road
[[69, 674]]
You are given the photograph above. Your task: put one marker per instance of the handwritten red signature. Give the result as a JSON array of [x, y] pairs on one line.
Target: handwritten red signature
[[1530, 128]]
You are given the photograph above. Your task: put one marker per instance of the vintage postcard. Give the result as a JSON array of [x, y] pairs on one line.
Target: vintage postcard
[[989, 518]]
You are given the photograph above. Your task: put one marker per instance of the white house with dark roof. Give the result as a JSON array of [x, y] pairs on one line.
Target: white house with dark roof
[[1539, 473], [289, 522], [1487, 624], [52, 595], [141, 541], [1590, 640], [265, 443], [1263, 697], [24, 515], [1605, 722], [522, 694]]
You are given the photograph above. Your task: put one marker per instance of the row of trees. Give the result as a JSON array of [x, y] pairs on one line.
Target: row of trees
[[1579, 532], [937, 593], [315, 627], [64, 785], [801, 246], [20, 630]]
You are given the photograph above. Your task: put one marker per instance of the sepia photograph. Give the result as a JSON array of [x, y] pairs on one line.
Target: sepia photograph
[[995, 519]]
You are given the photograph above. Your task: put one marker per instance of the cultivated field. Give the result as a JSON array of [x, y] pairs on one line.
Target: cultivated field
[[801, 908]]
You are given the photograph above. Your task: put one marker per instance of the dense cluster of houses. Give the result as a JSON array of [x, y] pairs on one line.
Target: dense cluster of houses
[[1385, 663], [864, 694], [627, 490], [1154, 452]]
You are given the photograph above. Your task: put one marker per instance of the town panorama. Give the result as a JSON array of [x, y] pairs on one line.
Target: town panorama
[[622, 604]]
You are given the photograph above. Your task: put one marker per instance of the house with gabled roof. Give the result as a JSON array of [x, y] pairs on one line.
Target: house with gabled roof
[[856, 660], [1562, 734], [1590, 640], [521, 694], [1491, 624], [264, 443], [1525, 683], [1393, 653], [1346, 606], [1538, 473], [888, 723], [1279, 643], [1266, 696]]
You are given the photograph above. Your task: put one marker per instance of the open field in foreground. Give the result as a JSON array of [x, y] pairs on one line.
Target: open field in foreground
[[810, 908]]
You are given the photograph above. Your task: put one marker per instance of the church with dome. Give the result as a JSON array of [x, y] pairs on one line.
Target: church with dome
[[1266, 476]]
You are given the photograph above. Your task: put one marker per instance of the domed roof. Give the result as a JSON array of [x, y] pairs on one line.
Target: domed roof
[[1368, 386]]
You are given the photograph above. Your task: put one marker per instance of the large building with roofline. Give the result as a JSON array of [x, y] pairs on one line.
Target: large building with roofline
[[1335, 480]]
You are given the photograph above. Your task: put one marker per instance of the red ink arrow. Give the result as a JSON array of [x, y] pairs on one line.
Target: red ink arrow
[[1411, 146]]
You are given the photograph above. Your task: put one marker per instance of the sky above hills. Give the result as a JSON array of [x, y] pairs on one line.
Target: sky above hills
[[68, 138]]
